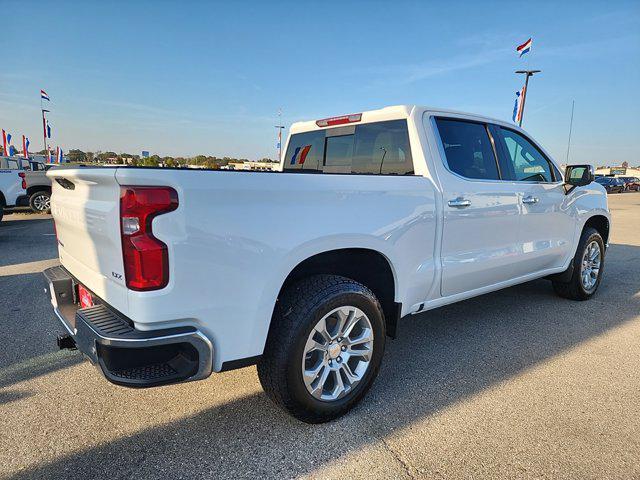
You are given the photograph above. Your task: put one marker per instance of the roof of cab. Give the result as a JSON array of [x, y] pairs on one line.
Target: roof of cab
[[387, 113]]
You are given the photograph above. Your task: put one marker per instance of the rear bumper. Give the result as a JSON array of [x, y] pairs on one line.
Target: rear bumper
[[127, 356]]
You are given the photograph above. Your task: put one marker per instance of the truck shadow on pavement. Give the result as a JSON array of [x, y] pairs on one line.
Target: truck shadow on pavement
[[441, 357], [28, 240]]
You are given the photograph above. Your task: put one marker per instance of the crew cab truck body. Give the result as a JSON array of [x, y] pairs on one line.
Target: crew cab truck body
[[167, 275]]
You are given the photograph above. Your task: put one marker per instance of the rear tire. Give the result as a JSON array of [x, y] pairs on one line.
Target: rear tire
[[40, 202], [307, 360], [584, 280]]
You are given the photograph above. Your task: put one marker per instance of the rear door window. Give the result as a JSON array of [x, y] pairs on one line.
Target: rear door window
[[383, 148], [468, 149], [370, 148]]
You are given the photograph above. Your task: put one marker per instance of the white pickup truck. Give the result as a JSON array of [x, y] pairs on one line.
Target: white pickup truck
[[169, 275], [12, 184]]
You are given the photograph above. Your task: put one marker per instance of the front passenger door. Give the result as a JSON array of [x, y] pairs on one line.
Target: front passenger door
[[546, 227]]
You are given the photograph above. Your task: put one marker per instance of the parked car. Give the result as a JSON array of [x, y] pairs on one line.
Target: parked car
[[611, 184], [631, 183], [12, 185], [38, 193], [169, 275]]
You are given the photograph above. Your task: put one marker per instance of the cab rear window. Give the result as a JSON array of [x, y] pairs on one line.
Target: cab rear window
[[380, 148]]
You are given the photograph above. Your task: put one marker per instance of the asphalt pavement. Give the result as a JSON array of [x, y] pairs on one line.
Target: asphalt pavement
[[515, 384]]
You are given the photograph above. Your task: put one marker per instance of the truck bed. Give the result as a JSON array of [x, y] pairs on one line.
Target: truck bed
[[235, 237]]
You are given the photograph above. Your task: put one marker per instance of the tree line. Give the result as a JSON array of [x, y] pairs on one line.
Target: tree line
[[207, 161]]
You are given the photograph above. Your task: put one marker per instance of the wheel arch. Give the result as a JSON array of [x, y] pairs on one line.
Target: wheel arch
[[38, 188], [601, 224], [367, 266]]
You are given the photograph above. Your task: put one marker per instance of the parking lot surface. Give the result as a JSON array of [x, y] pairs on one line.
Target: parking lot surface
[[515, 384]]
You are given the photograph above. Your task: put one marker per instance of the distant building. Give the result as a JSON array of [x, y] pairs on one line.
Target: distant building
[[620, 171], [255, 166]]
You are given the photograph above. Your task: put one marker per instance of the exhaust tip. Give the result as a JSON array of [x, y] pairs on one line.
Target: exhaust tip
[[66, 342]]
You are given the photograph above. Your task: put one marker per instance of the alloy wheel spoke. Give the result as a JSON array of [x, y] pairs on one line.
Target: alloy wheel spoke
[[312, 346], [364, 353], [344, 316], [364, 337], [311, 374], [321, 328], [352, 322], [319, 383], [351, 377], [339, 384]]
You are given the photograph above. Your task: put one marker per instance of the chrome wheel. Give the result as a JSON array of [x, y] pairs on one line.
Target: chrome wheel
[[41, 202], [337, 353], [591, 262]]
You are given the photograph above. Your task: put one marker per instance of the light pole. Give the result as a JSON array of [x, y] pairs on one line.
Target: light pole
[[280, 128], [44, 130], [527, 73]]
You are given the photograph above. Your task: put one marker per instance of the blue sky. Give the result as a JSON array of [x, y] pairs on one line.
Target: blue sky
[[183, 78]]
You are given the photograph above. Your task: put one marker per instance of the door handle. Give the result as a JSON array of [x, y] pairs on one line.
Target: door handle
[[459, 202], [529, 199]]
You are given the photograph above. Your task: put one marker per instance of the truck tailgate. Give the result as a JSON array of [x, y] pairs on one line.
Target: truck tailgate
[[86, 210]]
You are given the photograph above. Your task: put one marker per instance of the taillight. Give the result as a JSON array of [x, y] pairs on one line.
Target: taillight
[[146, 259], [330, 122], [24, 181]]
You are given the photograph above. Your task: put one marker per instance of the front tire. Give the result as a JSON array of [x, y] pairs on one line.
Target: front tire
[[40, 202], [324, 347], [588, 265]]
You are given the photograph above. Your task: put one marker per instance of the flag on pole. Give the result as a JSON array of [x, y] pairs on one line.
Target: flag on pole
[[58, 155], [44, 96], [524, 48], [4, 143], [25, 146], [48, 130], [8, 150], [517, 108]]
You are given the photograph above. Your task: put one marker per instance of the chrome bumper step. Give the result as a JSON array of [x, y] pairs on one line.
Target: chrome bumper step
[[128, 356]]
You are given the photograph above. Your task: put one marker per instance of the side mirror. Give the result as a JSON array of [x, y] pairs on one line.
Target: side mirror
[[578, 176]]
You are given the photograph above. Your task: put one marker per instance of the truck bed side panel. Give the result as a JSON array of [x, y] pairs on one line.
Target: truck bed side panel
[[236, 236]]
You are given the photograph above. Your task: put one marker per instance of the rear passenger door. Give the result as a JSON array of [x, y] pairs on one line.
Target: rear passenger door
[[546, 227], [481, 212]]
